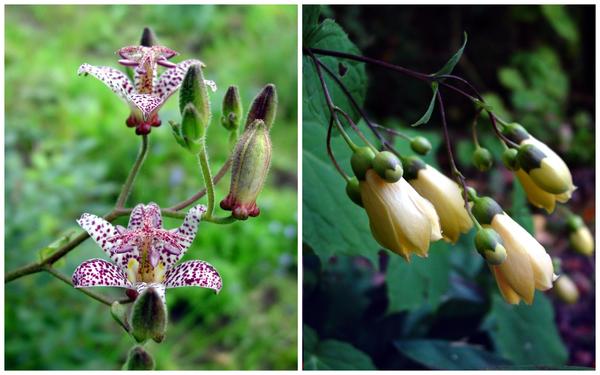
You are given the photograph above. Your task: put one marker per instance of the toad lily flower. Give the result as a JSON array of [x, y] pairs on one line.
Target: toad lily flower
[[144, 254], [147, 93]]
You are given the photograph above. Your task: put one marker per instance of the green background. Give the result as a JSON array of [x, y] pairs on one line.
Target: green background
[[68, 150]]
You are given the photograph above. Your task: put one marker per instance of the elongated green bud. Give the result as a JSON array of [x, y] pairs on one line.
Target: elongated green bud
[[388, 166], [139, 359], [420, 145], [232, 109], [515, 132], [482, 159], [566, 290], [490, 246], [148, 38], [353, 191], [361, 161], [509, 159], [484, 209], [149, 316], [251, 160], [264, 106], [580, 237], [194, 91], [192, 129]]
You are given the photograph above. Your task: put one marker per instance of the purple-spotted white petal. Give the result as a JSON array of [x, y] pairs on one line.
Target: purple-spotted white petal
[[186, 234], [171, 79], [98, 272], [141, 213], [116, 80], [103, 233], [159, 287], [194, 273]]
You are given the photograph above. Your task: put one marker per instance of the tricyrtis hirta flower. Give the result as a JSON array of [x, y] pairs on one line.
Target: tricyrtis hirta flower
[[144, 254], [147, 93], [400, 219]]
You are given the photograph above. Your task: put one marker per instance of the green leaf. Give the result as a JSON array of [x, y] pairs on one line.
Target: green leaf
[[449, 66], [310, 19], [332, 223], [511, 79], [446, 355], [309, 339], [561, 22], [427, 115], [526, 335], [336, 355], [423, 280]]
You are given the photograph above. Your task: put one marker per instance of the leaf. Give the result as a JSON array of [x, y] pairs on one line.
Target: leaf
[[422, 281], [310, 19], [446, 355], [561, 22], [449, 66], [336, 355], [526, 335], [427, 115], [511, 79]]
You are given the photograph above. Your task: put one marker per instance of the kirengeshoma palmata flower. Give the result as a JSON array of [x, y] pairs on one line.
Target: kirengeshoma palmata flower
[[252, 157], [580, 237], [400, 219], [445, 195], [543, 174], [527, 265]]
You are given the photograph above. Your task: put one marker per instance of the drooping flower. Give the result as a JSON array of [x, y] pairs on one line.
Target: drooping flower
[[400, 219], [144, 254], [580, 237], [527, 265], [443, 193], [147, 93]]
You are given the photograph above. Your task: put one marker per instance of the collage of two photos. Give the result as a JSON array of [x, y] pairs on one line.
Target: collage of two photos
[[299, 187]]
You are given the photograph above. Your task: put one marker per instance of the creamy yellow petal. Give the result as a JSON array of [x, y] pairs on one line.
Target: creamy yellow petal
[[554, 175], [536, 196], [509, 295]]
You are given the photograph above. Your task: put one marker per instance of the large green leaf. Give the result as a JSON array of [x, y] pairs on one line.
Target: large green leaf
[[423, 280], [446, 355], [332, 354], [526, 335]]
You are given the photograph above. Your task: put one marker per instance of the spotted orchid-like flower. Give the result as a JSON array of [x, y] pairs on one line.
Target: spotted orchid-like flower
[[148, 92], [144, 253]]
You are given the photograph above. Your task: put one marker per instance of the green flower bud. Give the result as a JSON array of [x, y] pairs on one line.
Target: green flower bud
[[412, 165], [148, 38], [192, 129], [264, 106], [149, 316], [353, 191], [490, 246], [251, 160], [232, 109], [515, 132], [574, 222], [388, 166], [483, 159], [139, 359], [194, 91], [550, 174], [566, 290], [509, 159], [420, 145], [471, 194], [580, 237], [361, 161], [484, 209]]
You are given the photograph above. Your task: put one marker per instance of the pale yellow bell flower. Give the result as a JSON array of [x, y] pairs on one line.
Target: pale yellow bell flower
[[400, 219], [539, 197], [527, 266], [582, 241], [447, 199]]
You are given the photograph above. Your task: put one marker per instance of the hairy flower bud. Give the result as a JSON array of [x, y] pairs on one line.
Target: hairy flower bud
[[580, 237], [149, 316], [482, 159], [194, 91], [509, 159], [566, 290], [251, 160], [139, 359], [148, 38], [353, 191], [264, 106], [420, 145], [361, 161], [232, 109], [490, 246], [388, 166]]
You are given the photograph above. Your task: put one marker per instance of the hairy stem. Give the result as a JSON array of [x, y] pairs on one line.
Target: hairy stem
[[208, 181], [127, 186]]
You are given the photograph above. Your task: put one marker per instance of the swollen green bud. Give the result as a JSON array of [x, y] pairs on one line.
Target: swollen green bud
[[192, 129], [148, 38], [420, 145], [139, 359], [251, 160], [515, 132], [232, 109], [412, 165], [490, 246], [509, 159], [482, 159], [353, 191], [264, 106], [580, 236], [149, 316], [388, 166], [194, 91], [484, 209], [361, 161]]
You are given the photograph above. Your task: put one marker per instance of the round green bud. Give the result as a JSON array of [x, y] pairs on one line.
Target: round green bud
[[482, 159], [412, 165], [490, 246], [362, 161], [484, 209], [353, 191], [388, 166], [509, 159], [420, 145], [574, 222]]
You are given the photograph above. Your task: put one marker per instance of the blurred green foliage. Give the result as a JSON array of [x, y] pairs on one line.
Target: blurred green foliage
[[68, 150]]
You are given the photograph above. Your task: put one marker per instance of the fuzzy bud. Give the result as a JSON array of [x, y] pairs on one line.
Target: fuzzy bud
[[232, 109], [420, 145], [361, 161], [566, 290], [139, 359], [509, 159], [580, 237], [148, 38], [149, 316], [264, 106], [194, 91], [482, 159], [251, 160], [490, 246], [388, 166], [353, 191]]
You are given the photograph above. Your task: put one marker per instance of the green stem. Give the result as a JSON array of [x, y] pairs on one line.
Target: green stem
[[393, 132], [127, 186], [208, 181], [219, 220]]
